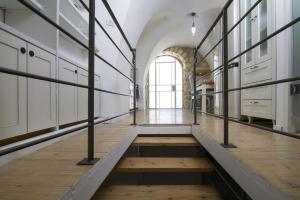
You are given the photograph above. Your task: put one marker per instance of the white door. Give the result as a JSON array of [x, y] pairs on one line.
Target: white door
[[12, 88], [82, 95], [67, 94], [41, 94], [97, 96]]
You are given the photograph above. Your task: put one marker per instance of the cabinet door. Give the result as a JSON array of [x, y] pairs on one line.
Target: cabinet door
[[264, 27], [97, 97], [41, 94], [67, 94], [82, 95], [12, 88], [248, 33]]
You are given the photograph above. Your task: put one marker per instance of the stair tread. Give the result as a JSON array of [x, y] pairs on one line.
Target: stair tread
[[165, 141], [191, 192], [163, 164]]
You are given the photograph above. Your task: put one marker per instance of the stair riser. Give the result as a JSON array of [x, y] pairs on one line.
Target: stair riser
[[164, 152], [158, 179]]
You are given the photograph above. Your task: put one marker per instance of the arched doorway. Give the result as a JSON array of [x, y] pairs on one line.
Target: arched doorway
[[165, 83]]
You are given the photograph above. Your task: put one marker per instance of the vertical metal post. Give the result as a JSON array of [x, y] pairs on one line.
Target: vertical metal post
[[134, 85], [225, 81], [90, 160], [194, 85]]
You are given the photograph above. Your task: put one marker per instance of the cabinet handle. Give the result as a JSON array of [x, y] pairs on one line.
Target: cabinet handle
[[256, 102], [76, 71], [23, 50], [255, 67], [31, 53]]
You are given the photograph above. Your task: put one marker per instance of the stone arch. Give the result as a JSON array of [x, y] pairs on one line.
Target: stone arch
[[185, 56]]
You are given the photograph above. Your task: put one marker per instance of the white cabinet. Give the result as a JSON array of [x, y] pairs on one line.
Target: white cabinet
[[97, 97], [67, 94], [12, 88], [258, 65], [73, 101], [41, 94], [82, 105]]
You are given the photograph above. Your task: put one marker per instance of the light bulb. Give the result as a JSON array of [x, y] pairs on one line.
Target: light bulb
[[193, 29]]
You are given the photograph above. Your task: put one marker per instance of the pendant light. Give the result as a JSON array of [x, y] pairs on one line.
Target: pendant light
[[193, 29]]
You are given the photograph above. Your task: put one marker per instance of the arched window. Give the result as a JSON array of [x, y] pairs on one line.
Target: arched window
[[165, 83]]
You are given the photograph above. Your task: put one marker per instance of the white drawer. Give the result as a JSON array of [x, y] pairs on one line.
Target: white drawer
[[257, 73], [264, 92], [257, 108]]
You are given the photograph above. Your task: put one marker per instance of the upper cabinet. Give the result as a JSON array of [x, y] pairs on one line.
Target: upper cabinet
[[25, 21], [256, 27], [259, 64]]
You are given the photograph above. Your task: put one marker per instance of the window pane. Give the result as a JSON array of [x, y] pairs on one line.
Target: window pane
[[152, 74], [263, 27], [165, 100], [178, 73], [151, 99], [165, 74], [179, 99]]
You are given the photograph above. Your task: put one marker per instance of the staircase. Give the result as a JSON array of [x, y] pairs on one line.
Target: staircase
[[160, 167]]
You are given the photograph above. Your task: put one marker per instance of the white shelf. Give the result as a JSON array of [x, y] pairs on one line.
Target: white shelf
[[71, 28], [12, 4], [74, 20]]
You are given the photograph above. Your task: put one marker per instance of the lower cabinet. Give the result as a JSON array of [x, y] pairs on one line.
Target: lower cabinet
[[41, 94], [73, 101], [97, 96], [13, 100], [82, 96], [67, 94]]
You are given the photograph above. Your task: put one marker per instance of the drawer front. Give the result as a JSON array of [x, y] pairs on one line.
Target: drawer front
[[257, 73], [257, 108], [258, 93]]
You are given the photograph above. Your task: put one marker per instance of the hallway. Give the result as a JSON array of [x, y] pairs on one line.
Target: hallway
[[146, 100]]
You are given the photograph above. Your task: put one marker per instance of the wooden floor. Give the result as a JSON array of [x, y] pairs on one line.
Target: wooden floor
[[166, 141], [163, 164], [180, 192], [50, 172], [274, 157]]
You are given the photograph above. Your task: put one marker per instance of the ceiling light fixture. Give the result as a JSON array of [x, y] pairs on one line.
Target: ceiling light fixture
[[193, 29]]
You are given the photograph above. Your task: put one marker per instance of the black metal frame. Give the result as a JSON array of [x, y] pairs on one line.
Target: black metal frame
[[226, 66], [90, 160]]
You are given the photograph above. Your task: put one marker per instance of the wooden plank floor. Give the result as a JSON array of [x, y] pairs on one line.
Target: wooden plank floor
[[51, 171], [166, 141], [178, 192], [274, 157], [163, 164]]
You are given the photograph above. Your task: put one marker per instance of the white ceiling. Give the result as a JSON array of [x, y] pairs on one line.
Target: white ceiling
[[154, 25]]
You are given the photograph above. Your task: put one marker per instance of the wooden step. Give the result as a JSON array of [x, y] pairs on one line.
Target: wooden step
[[163, 164], [165, 192], [165, 141]]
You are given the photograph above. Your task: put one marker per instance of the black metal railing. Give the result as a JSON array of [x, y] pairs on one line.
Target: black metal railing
[[91, 69], [228, 64]]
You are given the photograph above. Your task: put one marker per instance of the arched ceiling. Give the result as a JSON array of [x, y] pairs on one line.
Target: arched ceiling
[[154, 25]]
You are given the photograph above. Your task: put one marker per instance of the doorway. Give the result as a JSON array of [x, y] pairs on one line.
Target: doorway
[[165, 83]]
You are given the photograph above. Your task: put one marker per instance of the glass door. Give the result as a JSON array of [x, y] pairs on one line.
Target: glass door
[[248, 38], [263, 28], [165, 83]]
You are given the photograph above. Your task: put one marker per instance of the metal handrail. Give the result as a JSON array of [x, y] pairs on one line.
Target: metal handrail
[[106, 33], [225, 66]]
